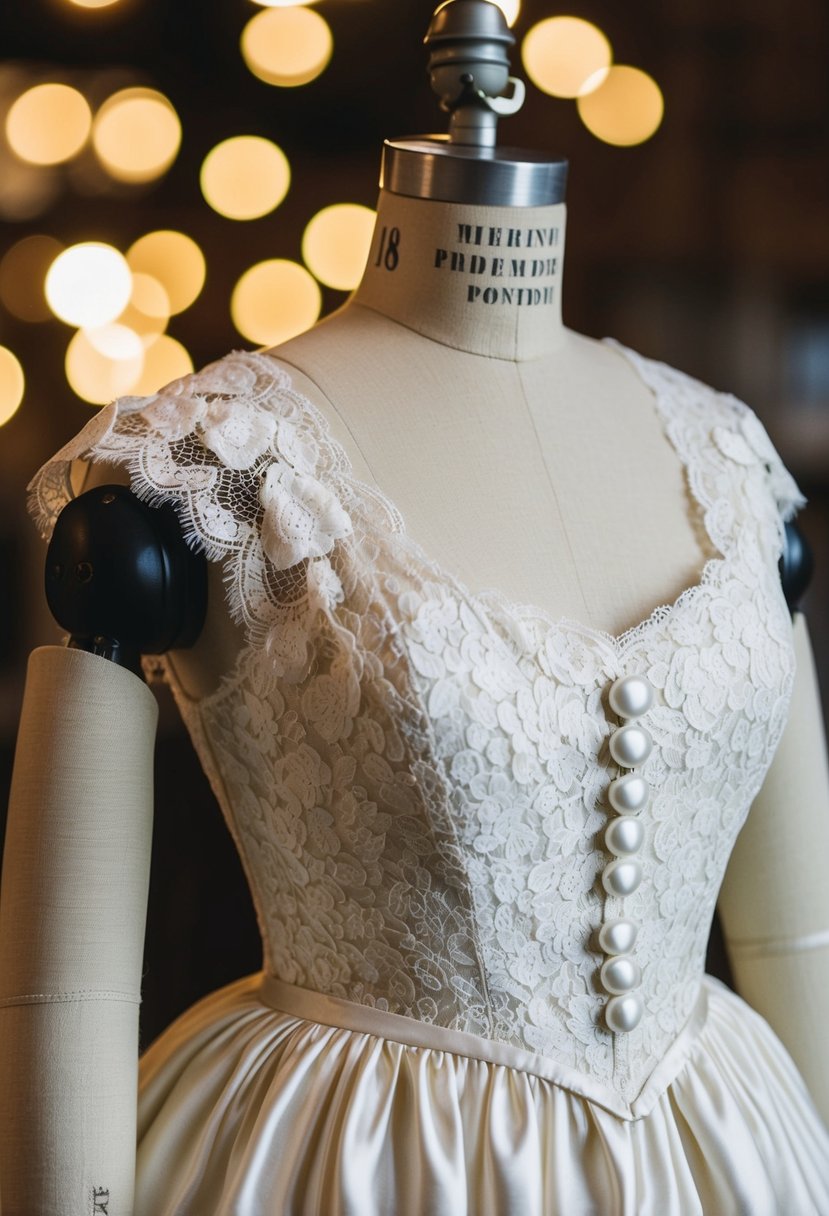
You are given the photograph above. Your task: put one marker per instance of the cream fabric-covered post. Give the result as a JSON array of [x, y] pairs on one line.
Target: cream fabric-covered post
[[774, 903], [72, 918]]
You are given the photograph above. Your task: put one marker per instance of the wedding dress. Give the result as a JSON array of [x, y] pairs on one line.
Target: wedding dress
[[418, 779]]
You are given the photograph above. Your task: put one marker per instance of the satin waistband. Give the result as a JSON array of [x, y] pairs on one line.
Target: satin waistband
[[339, 1014]]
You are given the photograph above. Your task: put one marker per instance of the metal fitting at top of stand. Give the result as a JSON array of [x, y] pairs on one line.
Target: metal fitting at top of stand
[[469, 43]]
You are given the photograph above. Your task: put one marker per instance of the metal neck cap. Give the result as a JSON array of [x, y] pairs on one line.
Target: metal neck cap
[[431, 167]]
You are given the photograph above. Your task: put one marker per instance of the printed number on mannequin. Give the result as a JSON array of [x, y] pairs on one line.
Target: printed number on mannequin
[[387, 253], [100, 1200]]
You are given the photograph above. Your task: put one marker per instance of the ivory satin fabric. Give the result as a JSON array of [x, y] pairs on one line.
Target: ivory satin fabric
[[245, 1110]]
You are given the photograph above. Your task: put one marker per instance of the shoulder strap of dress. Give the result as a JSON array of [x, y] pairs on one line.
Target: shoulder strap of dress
[[720, 439]]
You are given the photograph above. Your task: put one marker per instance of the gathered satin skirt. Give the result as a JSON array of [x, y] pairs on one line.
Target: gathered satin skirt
[[268, 1100]]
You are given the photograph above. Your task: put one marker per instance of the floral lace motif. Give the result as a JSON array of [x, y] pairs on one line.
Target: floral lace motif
[[415, 774], [252, 486]]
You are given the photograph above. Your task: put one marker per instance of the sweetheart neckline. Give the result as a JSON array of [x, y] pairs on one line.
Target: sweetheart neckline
[[519, 610]]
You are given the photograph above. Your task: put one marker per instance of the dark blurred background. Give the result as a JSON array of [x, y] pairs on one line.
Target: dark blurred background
[[707, 246]]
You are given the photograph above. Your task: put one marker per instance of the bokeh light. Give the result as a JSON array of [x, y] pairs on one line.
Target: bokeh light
[[561, 54], [94, 376], [625, 109], [25, 190], [245, 177], [23, 275], [148, 310], [136, 134], [287, 46], [48, 124], [175, 260], [283, 3], [93, 3], [275, 301], [336, 242], [88, 284], [510, 9], [12, 384], [117, 341], [164, 361]]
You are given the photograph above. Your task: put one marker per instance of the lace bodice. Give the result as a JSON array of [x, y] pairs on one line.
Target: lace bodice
[[416, 775]]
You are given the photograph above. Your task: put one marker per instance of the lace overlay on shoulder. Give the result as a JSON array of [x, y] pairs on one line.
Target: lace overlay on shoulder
[[232, 449], [415, 774]]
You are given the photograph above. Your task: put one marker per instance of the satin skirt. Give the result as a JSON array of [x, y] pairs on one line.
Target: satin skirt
[[249, 1106]]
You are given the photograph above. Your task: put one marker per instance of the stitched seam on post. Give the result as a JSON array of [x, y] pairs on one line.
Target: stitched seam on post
[[83, 994]]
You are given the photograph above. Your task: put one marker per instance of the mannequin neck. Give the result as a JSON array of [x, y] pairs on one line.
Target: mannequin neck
[[486, 280]]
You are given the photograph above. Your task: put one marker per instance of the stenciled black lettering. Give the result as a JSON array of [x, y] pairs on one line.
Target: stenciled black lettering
[[495, 235], [440, 257], [100, 1201], [469, 235], [521, 297]]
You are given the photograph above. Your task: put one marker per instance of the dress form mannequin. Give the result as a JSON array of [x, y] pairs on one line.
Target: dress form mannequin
[[501, 403]]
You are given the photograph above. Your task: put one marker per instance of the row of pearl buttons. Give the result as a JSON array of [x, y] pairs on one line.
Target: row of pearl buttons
[[630, 745]]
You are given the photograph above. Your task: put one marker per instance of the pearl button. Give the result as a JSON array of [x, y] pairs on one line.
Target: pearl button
[[630, 746], [624, 836], [618, 936], [624, 1013], [631, 696], [628, 793], [622, 877], [620, 974]]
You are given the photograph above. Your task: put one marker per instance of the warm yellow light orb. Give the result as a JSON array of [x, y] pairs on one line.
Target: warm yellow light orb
[[149, 297], [12, 384], [148, 310], [96, 377], [88, 284], [284, 3], [93, 3], [336, 242], [625, 109], [175, 260], [245, 177], [275, 301], [287, 46], [164, 361], [22, 275], [560, 55], [510, 9], [117, 342], [48, 124], [136, 134]]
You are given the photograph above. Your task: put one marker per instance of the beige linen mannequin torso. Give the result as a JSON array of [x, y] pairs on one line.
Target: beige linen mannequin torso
[[522, 456]]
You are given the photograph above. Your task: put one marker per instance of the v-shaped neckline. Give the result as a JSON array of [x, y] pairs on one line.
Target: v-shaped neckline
[[492, 597]]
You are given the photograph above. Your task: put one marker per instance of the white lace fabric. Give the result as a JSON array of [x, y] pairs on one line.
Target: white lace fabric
[[415, 774]]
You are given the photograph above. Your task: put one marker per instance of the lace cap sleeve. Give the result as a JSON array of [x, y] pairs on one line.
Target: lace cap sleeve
[[235, 452], [745, 441]]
